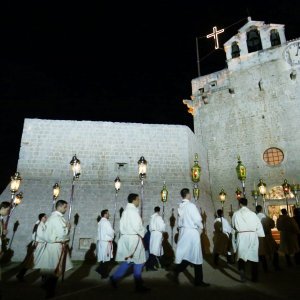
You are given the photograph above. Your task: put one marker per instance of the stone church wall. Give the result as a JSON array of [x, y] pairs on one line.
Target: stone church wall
[[47, 147]]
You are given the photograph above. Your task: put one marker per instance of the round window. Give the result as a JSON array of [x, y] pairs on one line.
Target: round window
[[273, 156]]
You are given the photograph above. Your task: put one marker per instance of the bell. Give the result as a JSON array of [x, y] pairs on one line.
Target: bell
[[253, 40], [274, 38], [235, 50]]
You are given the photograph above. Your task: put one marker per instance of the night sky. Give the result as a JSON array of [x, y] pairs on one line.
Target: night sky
[[105, 61]]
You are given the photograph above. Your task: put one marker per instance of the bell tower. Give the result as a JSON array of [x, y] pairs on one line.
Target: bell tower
[[250, 41]]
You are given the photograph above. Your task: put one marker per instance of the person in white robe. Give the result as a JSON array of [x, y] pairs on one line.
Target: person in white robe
[[130, 250], [267, 246], [221, 239], [35, 248], [55, 257], [157, 228], [105, 238], [188, 251], [248, 229], [289, 231]]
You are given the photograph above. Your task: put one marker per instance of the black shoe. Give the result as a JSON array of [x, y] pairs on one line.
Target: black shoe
[[20, 278], [142, 289], [173, 277], [150, 269], [113, 282], [242, 276], [202, 284]]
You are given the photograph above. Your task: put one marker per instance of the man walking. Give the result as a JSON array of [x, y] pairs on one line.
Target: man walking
[[131, 251], [188, 251], [267, 245], [157, 227], [222, 242], [104, 244], [36, 246], [248, 228], [55, 258], [289, 231]]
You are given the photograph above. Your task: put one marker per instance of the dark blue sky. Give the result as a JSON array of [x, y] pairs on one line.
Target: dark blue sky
[[104, 61]]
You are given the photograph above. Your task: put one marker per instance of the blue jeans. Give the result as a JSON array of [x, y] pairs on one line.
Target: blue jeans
[[124, 266]]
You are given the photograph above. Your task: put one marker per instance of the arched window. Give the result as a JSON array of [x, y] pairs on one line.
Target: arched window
[[253, 40], [274, 37], [235, 50]]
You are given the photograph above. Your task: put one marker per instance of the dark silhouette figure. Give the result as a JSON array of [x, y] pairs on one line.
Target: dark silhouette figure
[[168, 257]]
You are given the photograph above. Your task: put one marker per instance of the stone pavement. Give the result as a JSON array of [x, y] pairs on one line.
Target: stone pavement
[[84, 283]]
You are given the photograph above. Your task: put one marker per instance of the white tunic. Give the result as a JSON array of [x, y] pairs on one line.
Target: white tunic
[[248, 228], [39, 239], [55, 234], [189, 223], [130, 245], [157, 227], [104, 241]]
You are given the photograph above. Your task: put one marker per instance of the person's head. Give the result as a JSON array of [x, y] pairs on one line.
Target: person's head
[[4, 208], [258, 209], [243, 202], [42, 217], [185, 194], [284, 211], [220, 213], [105, 213], [61, 206], [157, 209], [134, 199]]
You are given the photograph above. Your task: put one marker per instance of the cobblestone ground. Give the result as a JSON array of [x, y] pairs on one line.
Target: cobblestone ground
[[84, 283]]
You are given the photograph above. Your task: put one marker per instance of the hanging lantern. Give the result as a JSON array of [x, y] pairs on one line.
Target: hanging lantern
[[255, 194], [295, 188], [262, 187], [142, 167], [75, 166], [56, 191], [117, 184], [238, 194], [222, 196], [15, 182], [196, 170], [196, 192], [241, 170], [164, 193], [286, 187], [18, 199]]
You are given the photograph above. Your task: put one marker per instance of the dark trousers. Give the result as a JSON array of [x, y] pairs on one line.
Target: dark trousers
[[22, 273], [276, 261], [288, 260], [263, 260], [103, 269], [152, 262], [50, 283], [254, 270], [197, 269]]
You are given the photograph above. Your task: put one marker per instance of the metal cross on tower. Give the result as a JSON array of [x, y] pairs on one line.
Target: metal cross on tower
[[215, 34]]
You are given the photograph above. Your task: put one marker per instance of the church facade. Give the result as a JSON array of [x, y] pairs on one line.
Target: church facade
[[249, 109]]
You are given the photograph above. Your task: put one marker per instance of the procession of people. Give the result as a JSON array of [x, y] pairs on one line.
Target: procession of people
[[247, 239]]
